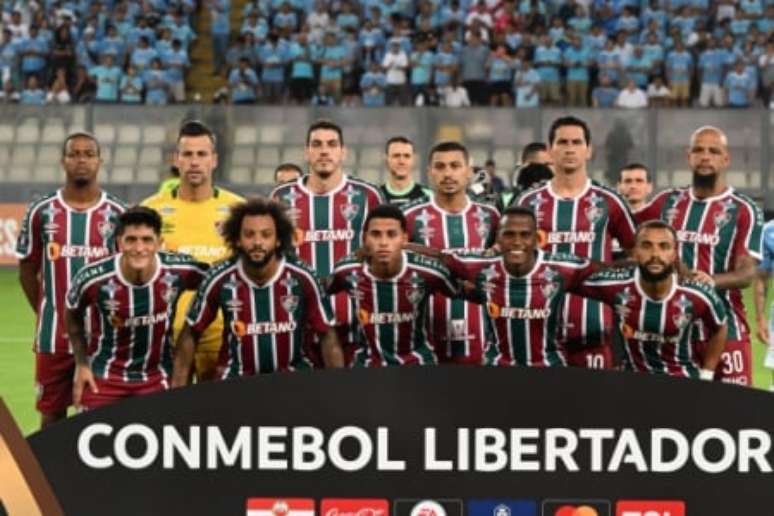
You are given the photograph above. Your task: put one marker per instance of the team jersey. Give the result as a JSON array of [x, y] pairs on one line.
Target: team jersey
[[524, 314], [194, 228], [459, 325], [133, 342], [658, 334], [392, 313], [60, 241], [584, 226], [265, 324], [712, 233], [329, 226], [414, 193]]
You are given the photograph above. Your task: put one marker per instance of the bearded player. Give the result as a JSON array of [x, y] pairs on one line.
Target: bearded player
[[270, 301], [719, 233]]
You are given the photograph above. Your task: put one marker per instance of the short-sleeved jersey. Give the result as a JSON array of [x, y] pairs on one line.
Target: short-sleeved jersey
[[584, 226], [459, 325], [712, 233], [392, 313], [658, 334], [60, 241], [265, 325], [329, 226], [416, 193], [133, 340], [194, 228], [767, 251], [525, 313]]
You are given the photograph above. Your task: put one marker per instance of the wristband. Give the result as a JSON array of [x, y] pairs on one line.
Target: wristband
[[706, 374]]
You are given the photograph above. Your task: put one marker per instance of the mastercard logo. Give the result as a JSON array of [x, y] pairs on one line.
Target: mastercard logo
[[579, 510], [54, 251], [542, 238], [239, 328], [627, 331]]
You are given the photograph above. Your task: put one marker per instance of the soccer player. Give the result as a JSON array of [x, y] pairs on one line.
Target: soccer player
[[271, 302], [134, 295], [328, 208], [719, 231], [660, 316], [287, 172], [579, 216], [61, 233], [760, 291], [451, 220], [400, 188], [635, 185], [391, 289], [192, 215]]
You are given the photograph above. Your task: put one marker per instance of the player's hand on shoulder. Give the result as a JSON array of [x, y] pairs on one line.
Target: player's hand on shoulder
[[701, 277]]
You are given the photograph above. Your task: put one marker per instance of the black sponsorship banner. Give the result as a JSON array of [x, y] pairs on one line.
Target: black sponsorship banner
[[549, 439]]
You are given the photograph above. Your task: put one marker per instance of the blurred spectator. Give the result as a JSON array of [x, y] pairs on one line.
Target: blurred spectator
[[454, 95], [108, 78], [395, 64], [373, 84], [527, 86], [446, 65], [631, 97], [658, 93], [8, 94], [322, 98], [33, 51], [17, 27], [347, 19], [243, 83], [131, 87], [739, 87], [318, 22], [143, 55], [678, 66], [63, 52], [500, 74], [156, 83], [332, 59], [220, 28], [176, 63], [58, 92], [604, 95], [610, 63], [8, 57], [766, 66], [577, 60], [548, 59], [301, 69], [638, 67], [285, 20], [472, 70], [85, 87], [422, 60], [711, 63], [272, 58], [498, 185], [32, 94]]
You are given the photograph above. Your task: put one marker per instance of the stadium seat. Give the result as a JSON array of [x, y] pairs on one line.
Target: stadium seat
[[504, 159], [105, 133], [681, 177], [49, 154], [373, 175], [122, 175], [268, 156], [478, 156], [737, 179], [28, 132], [53, 132], [264, 176], [7, 133], [243, 155], [154, 134], [245, 135], [272, 134], [293, 154], [48, 174], [23, 155], [107, 157], [754, 181], [125, 156], [148, 175], [128, 134], [18, 173], [150, 157], [351, 162], [241, 175], [372, 156]]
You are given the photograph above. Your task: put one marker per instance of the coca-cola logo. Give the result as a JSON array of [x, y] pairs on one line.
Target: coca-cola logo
[[364, 511]]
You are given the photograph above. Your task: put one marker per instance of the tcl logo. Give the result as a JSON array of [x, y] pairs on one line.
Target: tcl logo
[[354, 507], [650, 508]]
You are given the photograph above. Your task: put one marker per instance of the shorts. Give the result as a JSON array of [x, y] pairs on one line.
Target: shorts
[[500, 88], [597, 357], [54, 382], [735, 362], [681, 90], [111, 391]]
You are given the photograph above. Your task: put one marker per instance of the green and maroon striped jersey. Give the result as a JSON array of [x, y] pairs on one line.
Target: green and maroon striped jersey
[[133, 339], [392, 313], [329, 226], [60, 241], [713, 232], [457, 324], [584, 226], [658, 334], [265, 325], [524, 313]]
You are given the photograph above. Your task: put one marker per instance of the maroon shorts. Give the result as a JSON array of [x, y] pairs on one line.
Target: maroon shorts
[[735, 364], [111, 391], [597, 357], [54, 382]]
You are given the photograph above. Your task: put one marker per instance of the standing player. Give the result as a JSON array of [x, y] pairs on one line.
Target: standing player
[[287, 172], [659, 315], [719, 230], [192, 215], [760, 291], [328, 208], [270, 301], [580, 217], [400, 188], [451, 220], [60, 234], [134, 295], [635, 185], [391, 289]]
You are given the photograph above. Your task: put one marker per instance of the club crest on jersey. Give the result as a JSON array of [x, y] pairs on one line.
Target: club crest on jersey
[[352, 280], [724, 216], [170, 292], [416, 292], [535, 203], [621, 303], [111, 304], [289, 303], [483, 225], [550, 284], [489, 274], [106, 227], [350, 209], [290, 198], [671, 215], [595, 209], [426, 232], [683, 317]]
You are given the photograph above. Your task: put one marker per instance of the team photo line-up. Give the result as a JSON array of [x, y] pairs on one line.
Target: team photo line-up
[[199, 283]]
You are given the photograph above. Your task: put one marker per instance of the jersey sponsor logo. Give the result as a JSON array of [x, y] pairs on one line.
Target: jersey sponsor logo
[[367, 317], [329, 235], [647, 336], [576, 508], [203, 251], [242, 329], [650, 508], [354, 507], [55, 251], [694, 237], [502, 508], [280, 507], [512, 312], [140, 320], [571, 237]]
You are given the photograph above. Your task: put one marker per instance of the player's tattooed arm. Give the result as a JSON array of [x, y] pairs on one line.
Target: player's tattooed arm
[[333, 355], [742, 275], [29, 278], [715, 347], [760, 290], [83, 373], [184, 354]]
